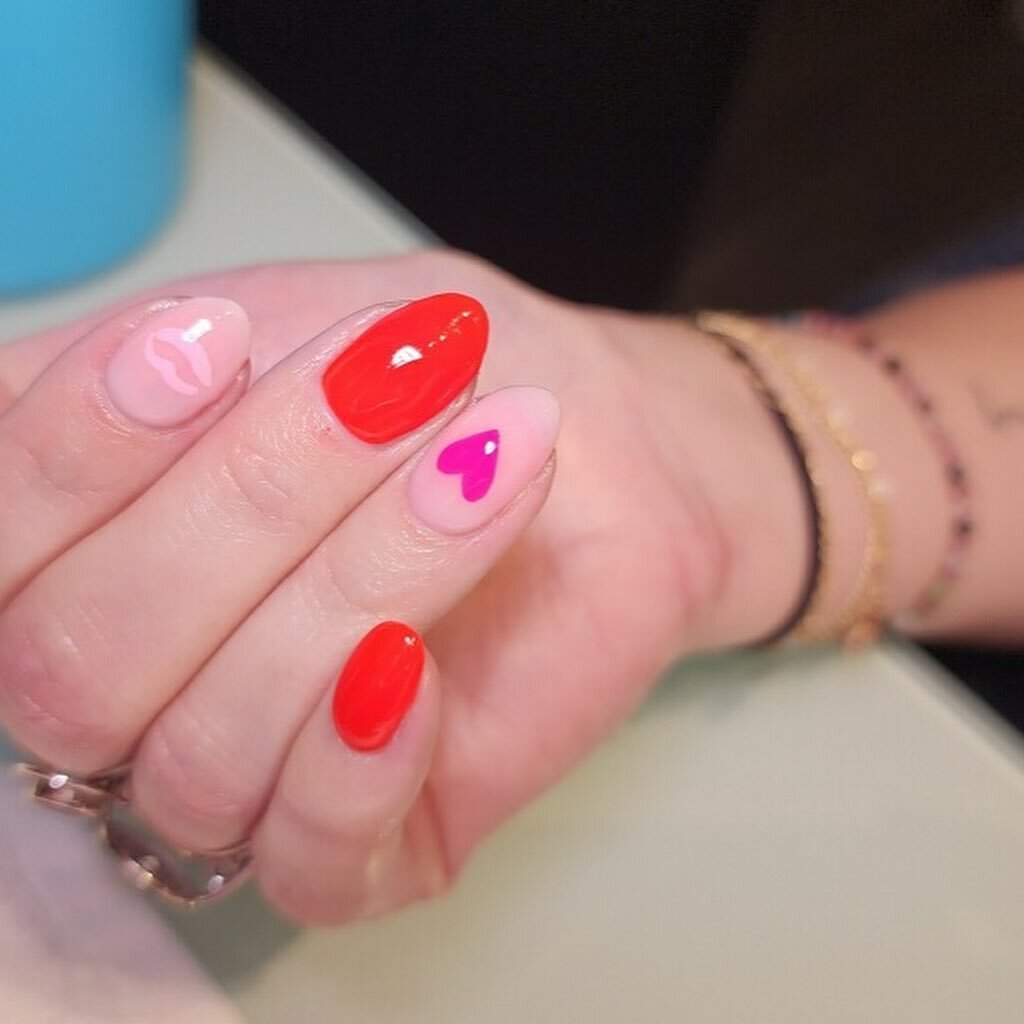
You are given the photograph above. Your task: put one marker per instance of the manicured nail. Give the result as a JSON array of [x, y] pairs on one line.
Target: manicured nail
[[378, 685], [484, 458], [179, 360], [407, 367]]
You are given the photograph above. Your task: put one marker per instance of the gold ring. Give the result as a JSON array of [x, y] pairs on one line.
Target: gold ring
[[178, 876]]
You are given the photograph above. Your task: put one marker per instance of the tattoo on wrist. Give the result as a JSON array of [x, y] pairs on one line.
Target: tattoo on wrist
[[998, 415]]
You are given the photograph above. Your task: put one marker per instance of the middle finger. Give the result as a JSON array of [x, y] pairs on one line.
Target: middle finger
[[103, 638]]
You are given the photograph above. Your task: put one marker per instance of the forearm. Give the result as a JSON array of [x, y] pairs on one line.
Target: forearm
[[960, 347], [966, 342]]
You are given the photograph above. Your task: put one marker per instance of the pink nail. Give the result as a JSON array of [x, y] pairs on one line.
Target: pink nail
[[179, 360], [484, 458]]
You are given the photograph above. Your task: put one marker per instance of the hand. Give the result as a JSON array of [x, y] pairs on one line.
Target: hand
[[196, 629]]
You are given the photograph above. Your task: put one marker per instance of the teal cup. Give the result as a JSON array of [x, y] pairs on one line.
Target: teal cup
[[93, 103]]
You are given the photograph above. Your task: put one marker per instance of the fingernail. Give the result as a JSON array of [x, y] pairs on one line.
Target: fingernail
[[484, 458], [378, 685], [178, 361], [407, 367]]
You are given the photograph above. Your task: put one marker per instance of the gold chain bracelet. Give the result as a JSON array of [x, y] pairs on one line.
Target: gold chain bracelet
[[861, 619]]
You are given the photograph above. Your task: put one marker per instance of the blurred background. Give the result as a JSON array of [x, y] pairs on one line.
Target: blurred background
[[758, 153]]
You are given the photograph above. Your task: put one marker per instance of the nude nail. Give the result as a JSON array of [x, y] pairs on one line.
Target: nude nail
[[179, 360], [483, 459]]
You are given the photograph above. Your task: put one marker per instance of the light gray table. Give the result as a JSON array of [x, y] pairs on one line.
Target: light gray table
[[768, 840]]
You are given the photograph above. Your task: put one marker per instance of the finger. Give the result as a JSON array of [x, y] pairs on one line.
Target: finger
[[412, 551], [100, 641], [334, 844], [23, 359], [107, 418]]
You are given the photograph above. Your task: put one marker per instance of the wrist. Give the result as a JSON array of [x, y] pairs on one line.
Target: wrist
[[728, 468], [893, 505], [877, 486], [721, 442]]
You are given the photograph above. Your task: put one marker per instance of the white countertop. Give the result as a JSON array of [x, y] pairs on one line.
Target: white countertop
[[769, 840]]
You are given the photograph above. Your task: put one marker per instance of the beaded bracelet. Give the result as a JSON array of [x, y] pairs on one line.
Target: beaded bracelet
[[861, 620], [961, 528], [810, 488]]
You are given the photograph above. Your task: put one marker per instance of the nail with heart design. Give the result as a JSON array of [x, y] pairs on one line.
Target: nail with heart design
[[483, 459], [475, 460], [177, 360]]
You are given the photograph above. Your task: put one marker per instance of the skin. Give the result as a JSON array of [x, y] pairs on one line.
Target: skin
[[670, 484]]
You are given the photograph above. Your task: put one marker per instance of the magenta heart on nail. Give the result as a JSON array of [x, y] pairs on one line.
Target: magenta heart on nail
[[476, 459]]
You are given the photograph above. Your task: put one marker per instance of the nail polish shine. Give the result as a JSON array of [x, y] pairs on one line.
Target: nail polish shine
[[407, 367]]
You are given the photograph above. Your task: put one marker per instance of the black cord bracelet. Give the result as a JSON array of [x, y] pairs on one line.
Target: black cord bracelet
[[808, 487]]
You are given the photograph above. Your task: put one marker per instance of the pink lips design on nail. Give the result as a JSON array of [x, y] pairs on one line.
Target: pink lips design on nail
[[186, 344], [476, 458]]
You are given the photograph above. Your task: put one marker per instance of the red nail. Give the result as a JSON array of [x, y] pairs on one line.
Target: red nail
[[407, 367], [377, 685]]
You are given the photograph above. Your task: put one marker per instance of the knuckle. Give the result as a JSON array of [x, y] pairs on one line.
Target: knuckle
[[46, 459], [39, 465], [46, 689], [264, 483], [331, 590], [390, 867], [325, 885], [298, 897], [507, 299], [453, 269], [454, 263], [184, 773], [360, 828]]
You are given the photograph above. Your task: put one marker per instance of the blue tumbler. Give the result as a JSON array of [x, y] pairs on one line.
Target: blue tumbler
[[93, 98]]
